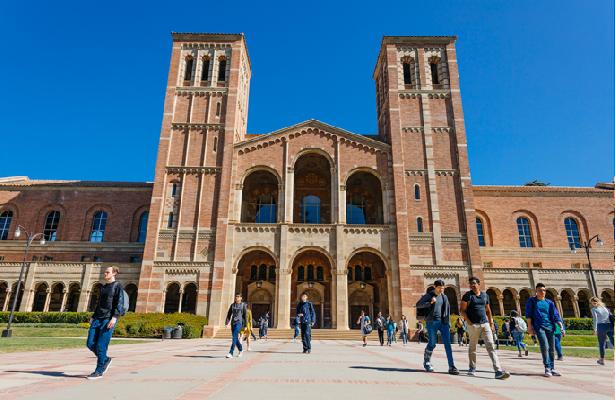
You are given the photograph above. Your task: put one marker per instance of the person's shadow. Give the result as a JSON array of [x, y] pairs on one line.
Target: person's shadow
[[55, 374], [387, 369]]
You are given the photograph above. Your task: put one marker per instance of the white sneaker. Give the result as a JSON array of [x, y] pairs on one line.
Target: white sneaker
[[548, 373], [555, 373], [229, 355], [240, 353]]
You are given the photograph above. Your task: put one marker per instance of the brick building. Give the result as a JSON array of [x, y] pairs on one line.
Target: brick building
[[357, 221]]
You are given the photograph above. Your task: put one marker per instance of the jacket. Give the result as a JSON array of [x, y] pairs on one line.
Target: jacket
[[307, 309], [109, 301], [531, 311], [244, 314], [425, 302]]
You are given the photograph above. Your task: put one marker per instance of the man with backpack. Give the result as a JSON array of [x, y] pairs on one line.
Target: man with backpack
[[518, 327], [112, 304], [236, 317], [476, 310], [379, 324]]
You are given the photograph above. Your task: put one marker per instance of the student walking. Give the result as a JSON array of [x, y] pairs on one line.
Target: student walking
[[557, 335], [518, 327], [476, 310], [305, 310], [263, 326], [542, 316], [603, 325], [380, 322], [420, 329], [390, 326], [403, 329], [460, 325], [247, 329], [437, 319], [236, 318], [366, 327], [297, 326], [111, 305]]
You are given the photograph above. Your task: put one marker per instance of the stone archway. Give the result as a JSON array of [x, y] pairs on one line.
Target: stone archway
[[367, 271], [451, 293], [172, 298], [40, 296], [312, 190], [72, 301], [360, 298], [567, 304], [56, 297], [508, 299], [524, 296], [584, 307], [4, 289], [607, 298], [132, 291], [188, 300], [312, 273], [257, 270], [494, 301]]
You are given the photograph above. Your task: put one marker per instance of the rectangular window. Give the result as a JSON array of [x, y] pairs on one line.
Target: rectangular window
[[188, 72], [135, 259], [170, 221], [537, 265], [222, 71], [435, 79], [205, 71], [407, 74]]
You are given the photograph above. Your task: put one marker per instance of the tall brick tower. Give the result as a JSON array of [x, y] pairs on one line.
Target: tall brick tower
[[205, 112], [420, 115]]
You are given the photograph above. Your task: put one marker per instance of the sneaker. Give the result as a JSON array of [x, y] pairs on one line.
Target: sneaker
[[502, 375], [365, 344], [471, 372], [560, 358], [428, 367], [555, 373], [527, 352], [106, 365], [548, 373], [240, 354], [94, 375], [600, 361], [229, 355], [520, 355], [453, 371]]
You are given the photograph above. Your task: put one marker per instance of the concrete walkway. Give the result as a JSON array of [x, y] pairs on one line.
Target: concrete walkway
[[197, 369]]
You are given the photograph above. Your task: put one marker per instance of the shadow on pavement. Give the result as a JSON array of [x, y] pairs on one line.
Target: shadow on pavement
[[57, 374]]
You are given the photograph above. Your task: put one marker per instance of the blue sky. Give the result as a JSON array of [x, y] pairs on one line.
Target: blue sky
[[83, 84]]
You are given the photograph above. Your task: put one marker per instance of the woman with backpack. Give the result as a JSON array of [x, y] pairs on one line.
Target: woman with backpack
[[366, 327], [518, 327], [603, 325]]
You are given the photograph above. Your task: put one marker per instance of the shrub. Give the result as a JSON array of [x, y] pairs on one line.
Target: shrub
[[579, 324], [47, 317]]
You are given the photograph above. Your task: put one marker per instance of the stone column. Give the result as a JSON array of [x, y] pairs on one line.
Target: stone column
[[575, 307], [6, 300], [181, 298], [342, 300], [64, 298], [501, 304], [289, 185], [84, 295], [283, 299], [518, 304], [558, 304], [47, 299], [163, 298]]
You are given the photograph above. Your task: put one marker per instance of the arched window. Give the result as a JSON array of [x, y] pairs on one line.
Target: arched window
[[419, 224], [358, 273], [435, 79], [5, 224], [142, 227], [367, 274], [301, 274], [51, 226], [218, 107], [272, 273], [174, 189], [222, 70], [99, 223], [310, 273], [310, 210], [320, 274], [572, 233], [525, 233], [480, 230], [205, 70], [253, 273], [417, 192], [407, 74], [188, 71], [262, 272]]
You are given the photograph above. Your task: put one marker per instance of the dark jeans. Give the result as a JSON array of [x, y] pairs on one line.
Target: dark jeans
[[297, 329], [381, 336], [558, 344], [306, 336], [604, 331], [390, 335], [546, 339], [433, 327], [460, 333], [98, 341], [404, 337], [235, 328]]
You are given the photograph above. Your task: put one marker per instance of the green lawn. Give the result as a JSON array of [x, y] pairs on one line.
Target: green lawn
[[589, 352], [62, 331], [10, 345]]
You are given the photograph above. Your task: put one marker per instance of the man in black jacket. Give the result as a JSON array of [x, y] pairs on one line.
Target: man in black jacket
[[307, 315], [103, 321], [437, 321]]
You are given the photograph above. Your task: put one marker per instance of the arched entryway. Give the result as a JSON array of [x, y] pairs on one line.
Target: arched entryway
[[451, 294], [132, 291], [312, 190], [4, 288], [494, 302], [12, 297], [508, 298], [524, 296], [94, 295], [363, 199], [607, 298], [567, 304], [256, 281], [56, 297], [312, 274], [189, 298], [72, 301], [367, 286], [171, 298], [584, 308], [40, 296]]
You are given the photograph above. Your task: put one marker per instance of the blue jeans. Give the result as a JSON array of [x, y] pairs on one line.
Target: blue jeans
[[404, 337], [546, 339], [99, 337], [445, 331], [306, 335], [235, 329], [518, 337], [558, 344], [297, 330], [603, 331], [390, 336]]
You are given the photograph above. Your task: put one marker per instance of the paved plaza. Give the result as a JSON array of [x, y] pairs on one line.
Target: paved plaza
[[197, 369]]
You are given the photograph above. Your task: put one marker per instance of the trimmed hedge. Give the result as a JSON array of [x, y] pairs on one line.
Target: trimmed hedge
[[571, 324], [130, 325]]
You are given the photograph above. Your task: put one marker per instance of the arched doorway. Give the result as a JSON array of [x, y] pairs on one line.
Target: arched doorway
[[132, 290], [94, 295], [40, 296], [256, 281], [189, 298], [524, 296], [12, 297], [363, 199], [56, 297], [567, 304], [494, 302], [311, 274], [171, 298], [551, 294], [312, 190], [451, 294], [367, 281], [584, 308], [607, 298], [4, 288], [259, 198], [509, 301], [72, 302]]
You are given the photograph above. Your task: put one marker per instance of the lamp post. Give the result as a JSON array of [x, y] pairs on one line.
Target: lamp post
[[30, 237], [587, 245]]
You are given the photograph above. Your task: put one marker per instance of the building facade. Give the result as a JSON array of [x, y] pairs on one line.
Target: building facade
[[358, 222]]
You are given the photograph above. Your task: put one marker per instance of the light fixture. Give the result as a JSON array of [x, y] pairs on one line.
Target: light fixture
[[310, 284], [259, 284], [18, 232], [362, 284], [573, 249], [42, 242], [600, 242]]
